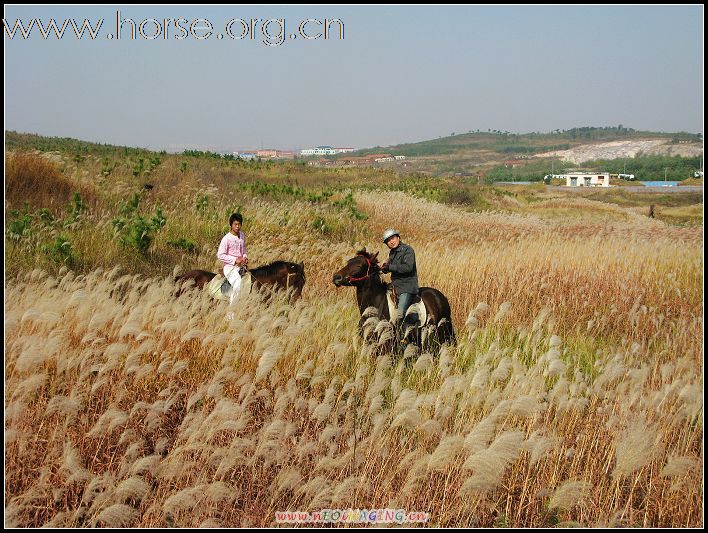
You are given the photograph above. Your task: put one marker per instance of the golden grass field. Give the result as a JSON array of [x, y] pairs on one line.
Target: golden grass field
[[573, 396]]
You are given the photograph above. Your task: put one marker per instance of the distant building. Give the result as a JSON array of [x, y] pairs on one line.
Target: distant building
[[584, 179], [275, 154], [379, 158], [351, 160], [369, 159], [320, 150], [322, 162], [325, 150]]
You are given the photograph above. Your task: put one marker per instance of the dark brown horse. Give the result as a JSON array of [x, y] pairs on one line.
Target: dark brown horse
[[280, 275], [363, 272]]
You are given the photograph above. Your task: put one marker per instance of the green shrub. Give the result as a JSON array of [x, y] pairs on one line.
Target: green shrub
[[139, 167], [76, 208], [135, 230], [61, 251], [202, 204], [183, 244], [320, 224], [45, 215], [19, 224]]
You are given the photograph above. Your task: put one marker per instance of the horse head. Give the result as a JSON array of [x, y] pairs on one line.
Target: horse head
[[360, 267], [295, 277]]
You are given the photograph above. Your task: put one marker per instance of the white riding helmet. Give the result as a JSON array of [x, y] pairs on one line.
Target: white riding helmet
[[389, 233]]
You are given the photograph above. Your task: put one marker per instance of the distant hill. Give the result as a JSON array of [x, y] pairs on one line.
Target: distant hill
[[32, 141], [493, 155], [509, 144], [479, 151]]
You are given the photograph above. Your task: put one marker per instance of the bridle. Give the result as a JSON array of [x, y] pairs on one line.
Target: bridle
[[368, 270]]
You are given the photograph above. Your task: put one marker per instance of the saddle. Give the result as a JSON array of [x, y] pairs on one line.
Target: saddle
[[219, 288], [416, 315]]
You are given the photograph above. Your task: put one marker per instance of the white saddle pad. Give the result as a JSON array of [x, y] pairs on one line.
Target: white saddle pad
[[214, 288], [215, 291], [416, 314]]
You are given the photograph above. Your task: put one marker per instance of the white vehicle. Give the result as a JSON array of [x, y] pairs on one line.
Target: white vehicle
[[698, 174], [629, 177]]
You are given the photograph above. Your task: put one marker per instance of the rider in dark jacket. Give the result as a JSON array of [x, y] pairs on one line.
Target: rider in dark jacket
[[401, 265]]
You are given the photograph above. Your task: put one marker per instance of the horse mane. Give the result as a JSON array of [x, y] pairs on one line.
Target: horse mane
[[368, 255], [273, 268]]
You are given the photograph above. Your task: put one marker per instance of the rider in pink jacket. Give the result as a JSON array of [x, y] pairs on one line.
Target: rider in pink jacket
[[232, 252]]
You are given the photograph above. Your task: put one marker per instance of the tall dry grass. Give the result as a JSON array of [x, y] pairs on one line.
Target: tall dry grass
[[125, 407], [574, 395], [36, 179]]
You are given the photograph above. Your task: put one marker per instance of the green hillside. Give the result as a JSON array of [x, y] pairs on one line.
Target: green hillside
[[511, 144]]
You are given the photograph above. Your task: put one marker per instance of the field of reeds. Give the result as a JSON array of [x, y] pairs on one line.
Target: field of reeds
[[573, 395]]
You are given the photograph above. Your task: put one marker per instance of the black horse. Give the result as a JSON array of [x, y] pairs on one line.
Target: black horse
[[363, 272], [280, 274]]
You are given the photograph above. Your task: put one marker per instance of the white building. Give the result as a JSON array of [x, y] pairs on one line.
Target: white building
[[320, 150], [325, 150], [584, 179], [245, 155]]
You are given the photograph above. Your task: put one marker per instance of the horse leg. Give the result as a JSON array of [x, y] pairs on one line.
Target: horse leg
[[445, 333], [295, 296]]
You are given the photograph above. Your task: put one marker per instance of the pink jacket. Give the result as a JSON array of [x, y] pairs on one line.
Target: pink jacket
[[232, 247]]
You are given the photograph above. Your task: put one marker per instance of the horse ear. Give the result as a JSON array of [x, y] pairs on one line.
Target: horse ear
[[302, 266], [375, 256]]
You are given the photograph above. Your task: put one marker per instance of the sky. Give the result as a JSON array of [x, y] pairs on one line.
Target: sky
[[397, 74]]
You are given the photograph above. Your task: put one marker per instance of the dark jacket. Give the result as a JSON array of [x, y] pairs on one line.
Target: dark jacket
[[404, 274]]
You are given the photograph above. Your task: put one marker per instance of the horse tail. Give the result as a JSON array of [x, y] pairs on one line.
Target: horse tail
[[179, 289], [447, 333], [444, 331]]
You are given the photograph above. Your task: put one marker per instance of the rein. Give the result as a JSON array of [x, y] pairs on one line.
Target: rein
[[287, 281]]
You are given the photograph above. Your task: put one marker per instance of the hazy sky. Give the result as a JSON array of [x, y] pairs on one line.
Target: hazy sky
[[400, 74]]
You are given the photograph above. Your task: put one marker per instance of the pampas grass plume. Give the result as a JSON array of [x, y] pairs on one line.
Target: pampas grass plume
[[569, 494]]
